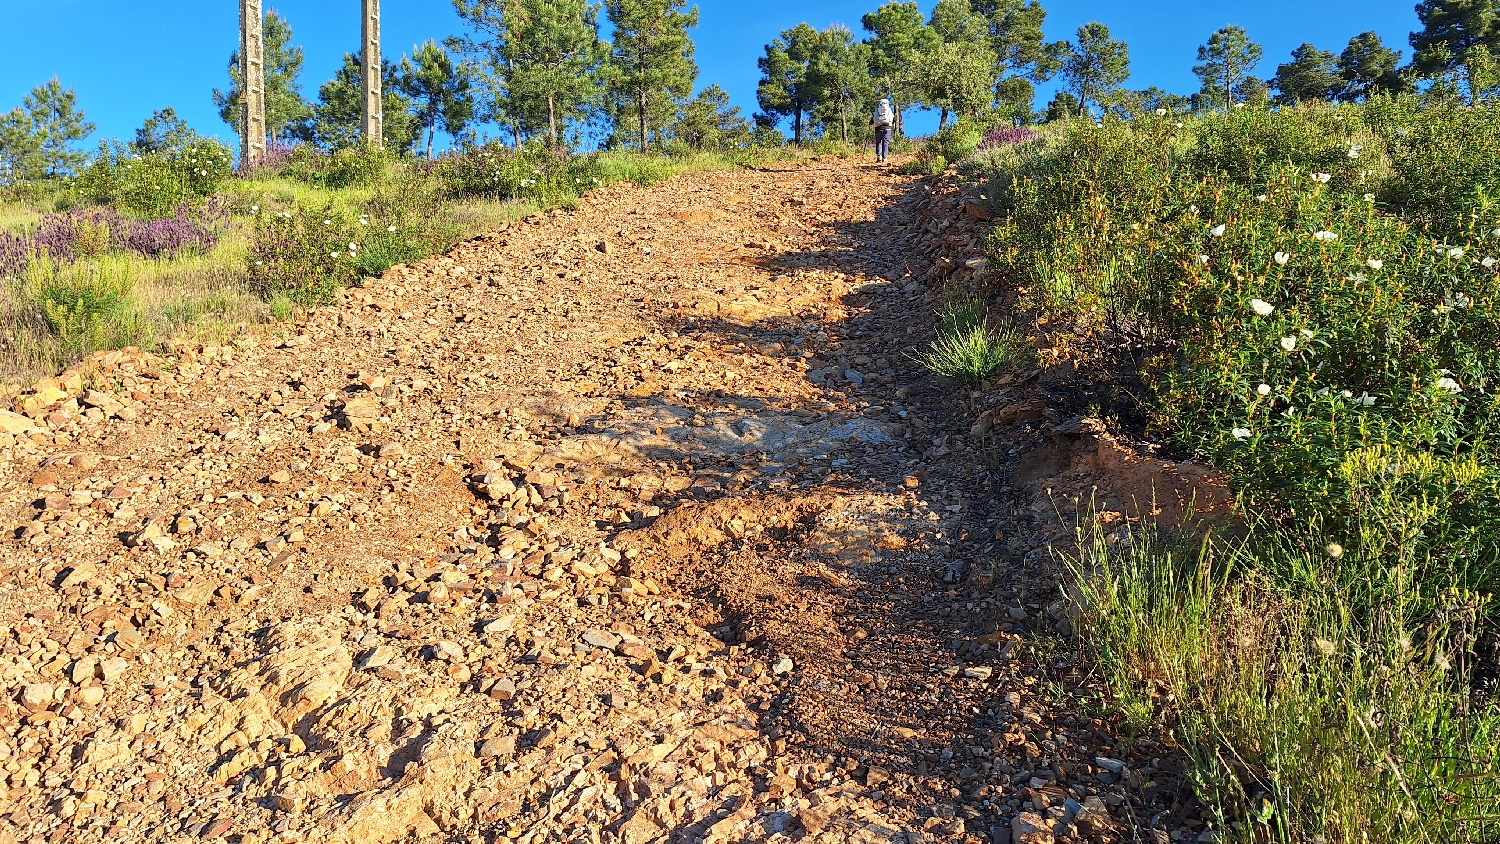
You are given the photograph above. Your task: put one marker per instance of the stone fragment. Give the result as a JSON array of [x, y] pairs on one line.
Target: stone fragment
[[105, 402], [112, 669], [83, 670], [601, 639], [814, 819], [378, 656], [1114, 766], [500, 625], [503, 689], [499, 747], [78, 574], [36, 696], [782, 666], [15, 423], [198, 593], [1029, 828]]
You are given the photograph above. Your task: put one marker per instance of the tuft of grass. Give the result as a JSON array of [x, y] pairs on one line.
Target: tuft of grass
[[972, 354], [961, 315]]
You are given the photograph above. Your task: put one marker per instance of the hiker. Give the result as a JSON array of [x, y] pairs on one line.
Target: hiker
[[884, 122]]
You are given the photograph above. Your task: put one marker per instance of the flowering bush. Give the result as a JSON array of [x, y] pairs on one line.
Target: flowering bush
[[1009, 136], [156, 184], [1296, 323], [78, 233], [536, 172], [343, 168], [402, 223], [305, 254]]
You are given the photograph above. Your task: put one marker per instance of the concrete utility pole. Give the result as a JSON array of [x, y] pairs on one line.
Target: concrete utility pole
[[252, 84], [374, 112]]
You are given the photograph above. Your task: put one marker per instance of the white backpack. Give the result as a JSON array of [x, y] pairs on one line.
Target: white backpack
[[884, 116]]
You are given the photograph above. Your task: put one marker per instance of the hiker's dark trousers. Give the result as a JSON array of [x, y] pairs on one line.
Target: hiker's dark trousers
[[882, 143]]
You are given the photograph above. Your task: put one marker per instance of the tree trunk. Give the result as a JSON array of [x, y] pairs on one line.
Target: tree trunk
[[515, 130], [431, 131], [899, 129], [797, 127], [1228, 90], [641, 103], [943, 120], [552, 117], [844, 120]]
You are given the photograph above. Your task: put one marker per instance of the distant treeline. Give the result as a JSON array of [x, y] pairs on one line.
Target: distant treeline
[[539, 69], [975, 58]]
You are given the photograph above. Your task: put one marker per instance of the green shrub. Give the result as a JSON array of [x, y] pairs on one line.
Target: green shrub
[[1444, 160], [1370, 327], [536, 173], [402, 223], [1317, 293], [88, 306], [356, 167], [155, 185], [972, 356], [1251, 146], [956, 141], [346, 167]]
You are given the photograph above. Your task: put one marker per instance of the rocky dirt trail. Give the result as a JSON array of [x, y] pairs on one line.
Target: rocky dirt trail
[[634, 523]]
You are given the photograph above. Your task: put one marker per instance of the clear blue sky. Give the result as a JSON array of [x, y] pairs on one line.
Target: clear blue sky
[[128, 58]]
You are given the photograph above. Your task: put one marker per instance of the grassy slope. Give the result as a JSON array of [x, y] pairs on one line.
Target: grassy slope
[[208, 295]]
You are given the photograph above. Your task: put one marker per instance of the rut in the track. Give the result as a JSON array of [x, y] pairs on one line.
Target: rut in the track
[[632, 523]]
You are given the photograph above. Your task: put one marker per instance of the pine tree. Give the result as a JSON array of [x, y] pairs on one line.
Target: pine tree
[[957, 74], [1224, 66], [439, 93], [651, 65], [20, 150], [557, 55], [1021, 51], [491, 65], [38, 137], [899, 39], [1312, 74], [163, 131], [338, 116], [840, 74], [785, 90], [1453, 33], [286, 110], [1369, 68], [709, 122], [1063, 106], [1095, 65]]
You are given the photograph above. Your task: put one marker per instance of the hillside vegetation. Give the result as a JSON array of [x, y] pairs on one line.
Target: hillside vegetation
[[1308, 298], [112, 270]]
